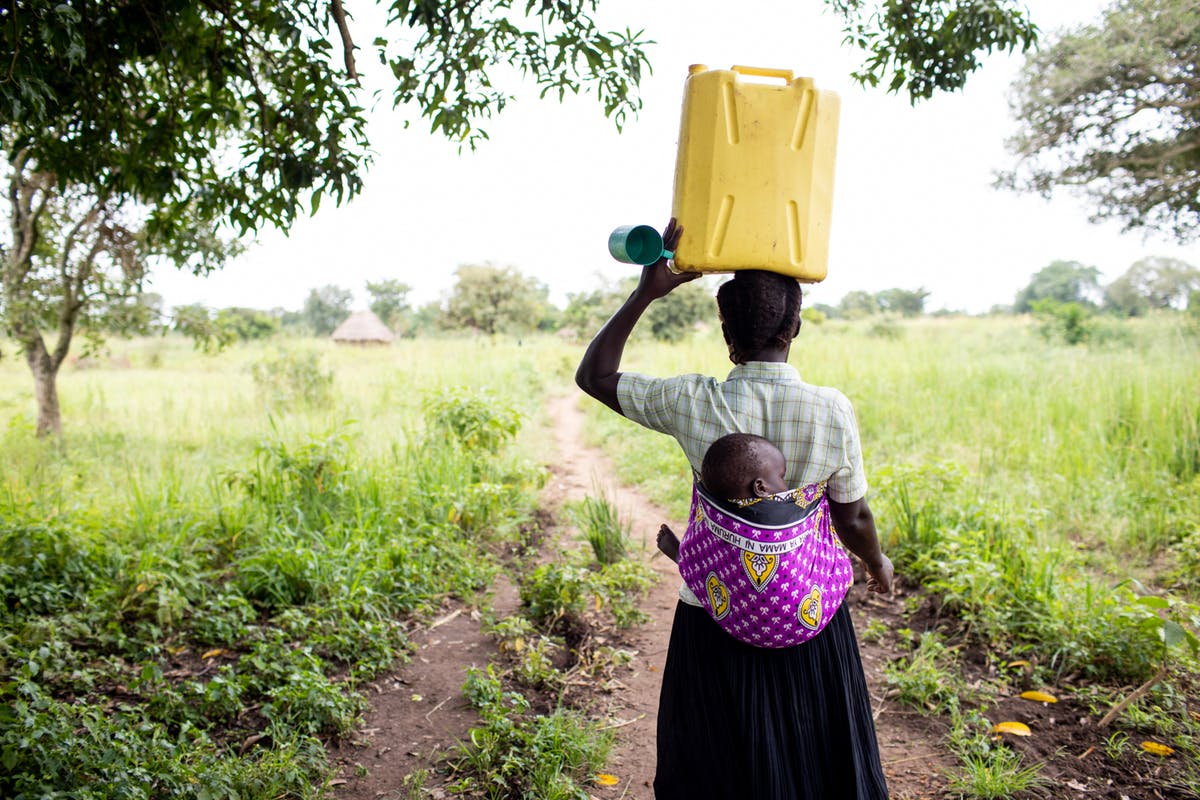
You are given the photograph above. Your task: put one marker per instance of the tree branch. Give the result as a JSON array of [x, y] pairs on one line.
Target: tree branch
[[1135, 695], [339, 15]]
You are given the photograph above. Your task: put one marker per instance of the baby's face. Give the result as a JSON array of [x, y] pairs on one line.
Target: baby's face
[[776, 468]]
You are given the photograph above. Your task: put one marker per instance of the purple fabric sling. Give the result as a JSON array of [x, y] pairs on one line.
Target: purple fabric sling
[[768, 585]]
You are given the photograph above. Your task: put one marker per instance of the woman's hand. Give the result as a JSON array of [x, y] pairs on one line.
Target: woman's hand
[[657, 280], [880, 576]]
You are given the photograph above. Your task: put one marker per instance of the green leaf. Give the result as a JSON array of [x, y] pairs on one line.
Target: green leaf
[[1173, 633]]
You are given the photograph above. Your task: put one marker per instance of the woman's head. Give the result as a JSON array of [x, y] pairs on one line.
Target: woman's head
[[759, 311], [739, 466]]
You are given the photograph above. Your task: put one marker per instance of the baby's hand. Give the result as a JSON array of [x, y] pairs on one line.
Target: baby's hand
[[668, 543]]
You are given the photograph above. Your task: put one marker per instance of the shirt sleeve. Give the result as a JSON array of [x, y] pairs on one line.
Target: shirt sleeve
[[648, 401], [849, 482]]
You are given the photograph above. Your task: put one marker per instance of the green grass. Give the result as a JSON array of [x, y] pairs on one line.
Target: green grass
[[602, 528], [924, 678]]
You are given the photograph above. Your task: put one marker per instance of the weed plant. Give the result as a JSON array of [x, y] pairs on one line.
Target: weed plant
[[292, 377], [515, 753], [602, 527], [989, 769], [557, 597], [924, 679]]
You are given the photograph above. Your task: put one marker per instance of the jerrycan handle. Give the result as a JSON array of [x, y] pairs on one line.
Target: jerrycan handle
[[765, 72]]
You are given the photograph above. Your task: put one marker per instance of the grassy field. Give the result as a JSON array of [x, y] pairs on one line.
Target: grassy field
[[199, 577]]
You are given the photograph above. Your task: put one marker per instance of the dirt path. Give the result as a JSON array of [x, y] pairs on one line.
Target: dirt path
[[419, 711]]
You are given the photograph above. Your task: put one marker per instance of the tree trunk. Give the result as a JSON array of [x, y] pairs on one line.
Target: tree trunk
[[45, 379]]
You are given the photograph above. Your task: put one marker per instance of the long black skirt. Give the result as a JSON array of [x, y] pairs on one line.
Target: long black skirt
[[737, 722]]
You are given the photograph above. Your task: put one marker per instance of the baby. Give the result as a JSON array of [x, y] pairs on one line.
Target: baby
[[739, 467]]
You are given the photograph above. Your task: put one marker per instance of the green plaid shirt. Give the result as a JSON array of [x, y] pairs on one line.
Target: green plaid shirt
[[814, 426]]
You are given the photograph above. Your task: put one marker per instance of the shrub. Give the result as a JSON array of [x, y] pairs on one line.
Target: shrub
[[813, 316], [292, 378], [885, 327], [1071, 323], [476, 419], [557, 596]]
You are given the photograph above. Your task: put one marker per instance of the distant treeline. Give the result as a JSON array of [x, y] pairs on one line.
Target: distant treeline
[[489, 299]]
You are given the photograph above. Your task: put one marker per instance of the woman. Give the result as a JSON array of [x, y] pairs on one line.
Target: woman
[[737, 721]]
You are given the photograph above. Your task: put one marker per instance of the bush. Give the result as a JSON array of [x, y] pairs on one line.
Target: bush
[[476, 419], [292, 378], [557, 596], [885, 327], [1071, 323], [813, 316]]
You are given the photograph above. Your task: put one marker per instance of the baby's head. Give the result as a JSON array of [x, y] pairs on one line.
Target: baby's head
[[740, 466]]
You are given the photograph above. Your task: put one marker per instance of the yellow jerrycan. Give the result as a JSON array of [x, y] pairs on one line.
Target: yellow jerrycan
[[754, 173]]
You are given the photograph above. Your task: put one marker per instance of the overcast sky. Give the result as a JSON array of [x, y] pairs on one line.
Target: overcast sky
[[913, 201]]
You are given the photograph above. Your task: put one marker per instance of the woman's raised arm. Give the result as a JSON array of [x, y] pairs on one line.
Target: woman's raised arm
[[599, 369]]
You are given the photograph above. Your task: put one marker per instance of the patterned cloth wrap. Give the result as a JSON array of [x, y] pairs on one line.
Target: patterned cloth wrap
[[773, 573]]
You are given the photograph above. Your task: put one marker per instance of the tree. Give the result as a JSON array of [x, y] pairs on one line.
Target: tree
[[389, 300], [586, 312], [926, 46], [326, 308], [672, 317], [493, 300], [160, 129], [70, 253], [1153, 282], [1111, 111], [1063, 282], [858, 303], [908, 302], [247, 323]]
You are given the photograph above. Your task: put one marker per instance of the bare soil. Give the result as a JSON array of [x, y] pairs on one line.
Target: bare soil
[[418, 713]]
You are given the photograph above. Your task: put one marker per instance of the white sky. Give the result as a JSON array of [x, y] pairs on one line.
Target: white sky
[[913, 201]]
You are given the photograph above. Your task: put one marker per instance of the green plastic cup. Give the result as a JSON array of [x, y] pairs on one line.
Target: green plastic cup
[[637, 244]]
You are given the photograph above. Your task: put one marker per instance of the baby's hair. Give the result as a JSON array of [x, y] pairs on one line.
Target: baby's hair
[[760, 309], [732, 463]]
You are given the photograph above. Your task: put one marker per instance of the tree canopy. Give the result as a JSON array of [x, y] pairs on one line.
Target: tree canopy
[[326, 308], [1112, 111], [927, 46], [1062, 282], [1152, 283], [493, 299]]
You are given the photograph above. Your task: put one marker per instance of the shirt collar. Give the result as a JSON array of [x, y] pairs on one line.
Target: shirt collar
[[764, 371]]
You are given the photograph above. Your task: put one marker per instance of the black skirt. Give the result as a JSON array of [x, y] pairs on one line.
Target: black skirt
[[737, 722]]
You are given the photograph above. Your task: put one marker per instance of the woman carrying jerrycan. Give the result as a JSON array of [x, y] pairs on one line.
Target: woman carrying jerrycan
[[790, 720]]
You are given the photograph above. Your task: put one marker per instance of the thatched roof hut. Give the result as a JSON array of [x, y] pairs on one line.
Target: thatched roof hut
[[363, 327]]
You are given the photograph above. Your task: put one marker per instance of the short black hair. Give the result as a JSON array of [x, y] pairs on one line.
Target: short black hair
[[759, 309], [732, 463]]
